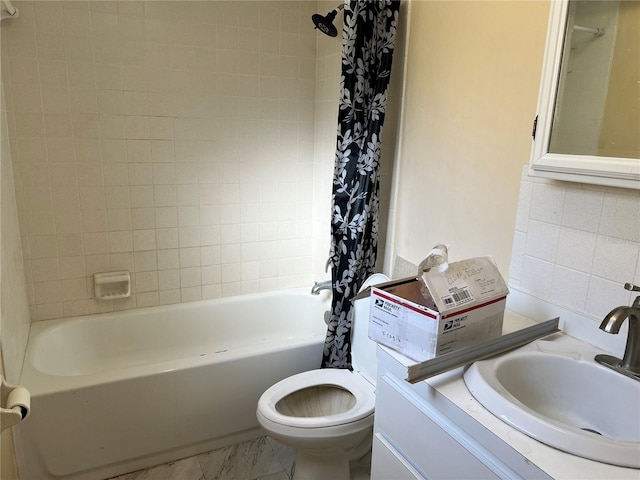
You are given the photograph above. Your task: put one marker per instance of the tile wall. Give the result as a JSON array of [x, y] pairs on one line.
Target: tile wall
[[172, 139], [328, 72], [576, 245]]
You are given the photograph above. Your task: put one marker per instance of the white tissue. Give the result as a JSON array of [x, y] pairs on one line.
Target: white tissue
[[19, 400], [437, 258]]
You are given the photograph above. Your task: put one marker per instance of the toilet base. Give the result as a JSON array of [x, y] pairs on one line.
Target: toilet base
[[313, 465]]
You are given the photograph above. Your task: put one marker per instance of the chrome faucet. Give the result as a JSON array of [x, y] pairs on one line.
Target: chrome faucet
[[318, 286], [630, 363]]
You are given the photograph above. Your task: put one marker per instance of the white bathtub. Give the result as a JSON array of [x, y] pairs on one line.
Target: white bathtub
[[113, 393]]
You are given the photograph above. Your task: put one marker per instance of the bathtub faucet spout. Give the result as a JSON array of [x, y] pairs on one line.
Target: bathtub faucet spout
[[318, 286]]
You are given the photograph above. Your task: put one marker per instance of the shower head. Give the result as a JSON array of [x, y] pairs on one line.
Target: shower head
[[325, 24]]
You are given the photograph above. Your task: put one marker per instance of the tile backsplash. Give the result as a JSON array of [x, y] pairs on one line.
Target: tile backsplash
[[576, 245], [171, 139]]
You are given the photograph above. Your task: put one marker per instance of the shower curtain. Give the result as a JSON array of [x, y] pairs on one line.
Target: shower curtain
[[368, 40]]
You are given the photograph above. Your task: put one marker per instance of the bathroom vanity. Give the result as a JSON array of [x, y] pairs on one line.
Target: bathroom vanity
[[436, 429]]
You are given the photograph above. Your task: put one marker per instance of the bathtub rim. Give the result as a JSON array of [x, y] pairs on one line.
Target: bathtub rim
[[40, 383]]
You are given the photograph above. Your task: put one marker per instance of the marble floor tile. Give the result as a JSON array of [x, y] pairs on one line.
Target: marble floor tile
[[286, 456], [244, 461], [185, 469], [275, 476], [261, 459]]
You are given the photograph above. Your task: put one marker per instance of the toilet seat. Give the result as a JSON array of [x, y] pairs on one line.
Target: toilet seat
[[362, 391]]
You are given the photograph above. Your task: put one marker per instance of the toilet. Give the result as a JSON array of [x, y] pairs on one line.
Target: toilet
[[327, 414]]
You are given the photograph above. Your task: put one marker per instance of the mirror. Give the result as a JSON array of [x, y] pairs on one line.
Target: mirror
[[588, 124]]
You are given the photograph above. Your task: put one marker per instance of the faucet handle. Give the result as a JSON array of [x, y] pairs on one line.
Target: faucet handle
[[631, 287]]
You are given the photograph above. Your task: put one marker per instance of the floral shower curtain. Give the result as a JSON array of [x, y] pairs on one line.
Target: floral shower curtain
[[368, 40]]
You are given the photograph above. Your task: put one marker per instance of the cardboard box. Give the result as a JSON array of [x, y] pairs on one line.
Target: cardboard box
[[461, 306]]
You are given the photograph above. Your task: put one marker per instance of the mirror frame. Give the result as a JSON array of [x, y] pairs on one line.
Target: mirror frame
[[611, 171]]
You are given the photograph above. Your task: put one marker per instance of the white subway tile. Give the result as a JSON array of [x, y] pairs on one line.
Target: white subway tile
[[112, 126], [190, 257], [49, 311], [210, 235], [169, 279], [167, 238], [576, 249], [162, 151], [119, 242], [168, 297], [119, 219], [168, 259], [45, 269], [121, 261], [145, 261], [43, 246], [146, 282], [142, 196], [162, 129], [165, 195], [67, 223], [188, 174], [211, 275], [113, 150], [166, 217], [190, 277], [71, 267], [47, 292], [141, 174], [542, 240], [603, 296], [537, 276], [74, 289], [191, 294], [117, 196], [621, 217], [144, 240], [147, 299], [96, 263], [96, 243], [569, 288], [111, 102], [139, 151], [615, 259], [143, 218], [547, 203], [211, 291], [137, 127], [136, 103], [116, 174], [188, 216], [210, 255]]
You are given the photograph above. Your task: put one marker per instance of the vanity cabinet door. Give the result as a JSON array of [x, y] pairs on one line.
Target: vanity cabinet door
[[388, 464], [422, 437]]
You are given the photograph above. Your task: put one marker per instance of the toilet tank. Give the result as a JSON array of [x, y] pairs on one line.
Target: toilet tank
[[363, 349]]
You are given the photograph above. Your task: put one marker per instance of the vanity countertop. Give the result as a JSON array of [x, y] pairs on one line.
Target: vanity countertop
[[556, 463]]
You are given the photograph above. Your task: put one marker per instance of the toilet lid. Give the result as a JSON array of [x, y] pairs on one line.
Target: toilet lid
[[362, 391]]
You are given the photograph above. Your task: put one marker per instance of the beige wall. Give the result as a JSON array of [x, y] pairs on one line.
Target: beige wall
[[472, 76]]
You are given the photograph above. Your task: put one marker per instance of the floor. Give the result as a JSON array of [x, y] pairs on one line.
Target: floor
[[261, 459]]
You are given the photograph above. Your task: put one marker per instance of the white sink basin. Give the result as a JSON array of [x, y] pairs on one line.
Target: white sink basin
[[556, 393]]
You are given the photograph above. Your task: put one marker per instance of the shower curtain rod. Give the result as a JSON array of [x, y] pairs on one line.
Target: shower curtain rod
[[9, 10], [598, 32]]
